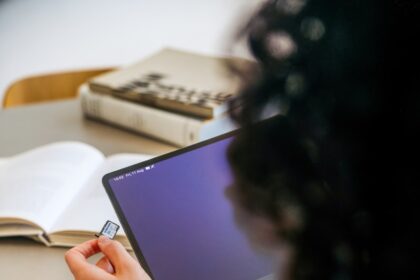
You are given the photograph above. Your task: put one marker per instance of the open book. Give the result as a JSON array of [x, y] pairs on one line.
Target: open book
[[54, 194]]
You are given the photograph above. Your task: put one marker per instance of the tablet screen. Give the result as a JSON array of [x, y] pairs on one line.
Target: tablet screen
[[180, 219]]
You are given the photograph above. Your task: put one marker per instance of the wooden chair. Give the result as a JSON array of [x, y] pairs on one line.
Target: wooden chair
[[48, 87]]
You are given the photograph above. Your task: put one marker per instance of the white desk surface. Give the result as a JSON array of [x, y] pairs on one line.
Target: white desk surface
[[30, 126]]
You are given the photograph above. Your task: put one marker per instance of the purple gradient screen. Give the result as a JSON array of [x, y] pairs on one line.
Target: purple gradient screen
[[182, 221]]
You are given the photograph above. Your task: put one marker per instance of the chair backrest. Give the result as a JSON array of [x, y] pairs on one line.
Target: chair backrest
[[48, 87]]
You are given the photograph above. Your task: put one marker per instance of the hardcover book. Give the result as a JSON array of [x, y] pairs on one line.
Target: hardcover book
[[176, 129], [174, 80]]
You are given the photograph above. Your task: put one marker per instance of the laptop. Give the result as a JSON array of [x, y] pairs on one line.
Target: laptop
[[178, 220]]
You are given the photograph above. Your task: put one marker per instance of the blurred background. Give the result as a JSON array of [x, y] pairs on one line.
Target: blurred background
[[46, 36]]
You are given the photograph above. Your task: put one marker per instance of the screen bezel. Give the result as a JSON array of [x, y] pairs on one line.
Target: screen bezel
[[107, 177]]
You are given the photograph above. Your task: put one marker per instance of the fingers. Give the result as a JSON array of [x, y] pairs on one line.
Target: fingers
[[106, 265], [125, 266], [116, 253], [76, 259], [117, 263]]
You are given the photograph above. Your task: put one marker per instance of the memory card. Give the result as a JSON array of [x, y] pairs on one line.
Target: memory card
[[109, 230]]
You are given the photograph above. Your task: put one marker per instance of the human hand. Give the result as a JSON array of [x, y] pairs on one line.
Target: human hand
[[117, 264]]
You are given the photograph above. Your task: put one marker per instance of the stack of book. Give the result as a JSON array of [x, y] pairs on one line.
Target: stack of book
[[175, 96]]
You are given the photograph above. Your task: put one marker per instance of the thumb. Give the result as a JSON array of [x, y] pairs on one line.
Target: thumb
[[106, 265], [115, 252]]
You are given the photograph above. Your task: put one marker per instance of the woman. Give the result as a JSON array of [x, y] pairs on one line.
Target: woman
[[330, 178]]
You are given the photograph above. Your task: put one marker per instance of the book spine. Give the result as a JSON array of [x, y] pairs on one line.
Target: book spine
[[41, 238], [170, 127]]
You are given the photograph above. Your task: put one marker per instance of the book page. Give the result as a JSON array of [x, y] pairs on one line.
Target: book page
[[38, 185], [92, 207]]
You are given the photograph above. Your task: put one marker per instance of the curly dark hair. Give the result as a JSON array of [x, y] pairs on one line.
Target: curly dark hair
[[344, 75]]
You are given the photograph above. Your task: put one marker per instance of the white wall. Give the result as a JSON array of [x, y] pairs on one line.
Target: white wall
[[41, 36]]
